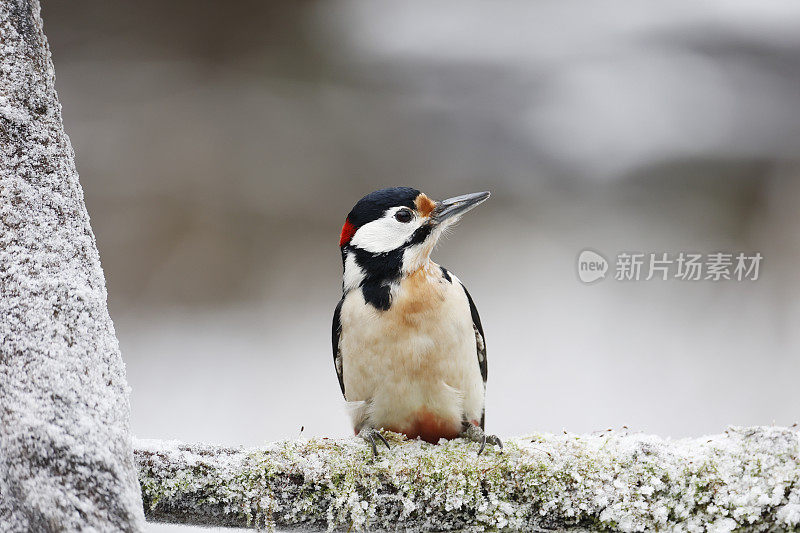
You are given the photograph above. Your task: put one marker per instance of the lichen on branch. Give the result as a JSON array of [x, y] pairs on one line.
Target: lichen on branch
[[745, 478]]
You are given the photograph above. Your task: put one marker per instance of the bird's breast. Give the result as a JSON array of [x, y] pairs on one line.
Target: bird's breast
[[415, 364]]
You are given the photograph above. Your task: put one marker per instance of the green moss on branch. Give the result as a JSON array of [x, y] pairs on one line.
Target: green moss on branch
[[746, 478]]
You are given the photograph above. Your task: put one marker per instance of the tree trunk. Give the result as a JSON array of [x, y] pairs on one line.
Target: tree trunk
[[746, 478], [66, 461]]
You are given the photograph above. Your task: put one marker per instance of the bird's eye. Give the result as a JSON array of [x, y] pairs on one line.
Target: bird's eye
[[404, 216]]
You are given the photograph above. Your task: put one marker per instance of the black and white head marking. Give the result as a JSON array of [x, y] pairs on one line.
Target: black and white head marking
[[391, 232], [382, 238]]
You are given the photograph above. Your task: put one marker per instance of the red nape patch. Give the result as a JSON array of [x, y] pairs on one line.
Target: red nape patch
[[348, 230]]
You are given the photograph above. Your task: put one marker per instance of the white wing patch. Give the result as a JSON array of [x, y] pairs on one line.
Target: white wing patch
[[481, 345]]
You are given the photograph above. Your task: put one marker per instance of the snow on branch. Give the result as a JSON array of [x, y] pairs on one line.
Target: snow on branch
[[745, 478]]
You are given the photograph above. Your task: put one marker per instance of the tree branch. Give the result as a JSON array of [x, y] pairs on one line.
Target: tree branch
[[746, 477]]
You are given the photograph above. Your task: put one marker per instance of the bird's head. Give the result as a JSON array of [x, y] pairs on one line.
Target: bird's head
[[392, 232]]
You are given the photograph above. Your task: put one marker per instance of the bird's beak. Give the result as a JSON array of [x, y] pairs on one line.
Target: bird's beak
[[453, 208]]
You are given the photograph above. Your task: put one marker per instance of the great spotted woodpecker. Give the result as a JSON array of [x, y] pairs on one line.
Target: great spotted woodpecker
[[408, 345]]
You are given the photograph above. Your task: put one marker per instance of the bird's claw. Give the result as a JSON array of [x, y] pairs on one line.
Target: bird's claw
[[378, 434], [494, 440], [369, 434], [474, 433]]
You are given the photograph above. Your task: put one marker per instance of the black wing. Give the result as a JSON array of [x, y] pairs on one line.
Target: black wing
[[337, 354], [480, 341]]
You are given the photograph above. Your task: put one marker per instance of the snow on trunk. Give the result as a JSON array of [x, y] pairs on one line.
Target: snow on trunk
[[745, 479], [66, 461]]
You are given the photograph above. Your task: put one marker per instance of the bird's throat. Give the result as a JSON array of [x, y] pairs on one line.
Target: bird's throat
[[378, 276]]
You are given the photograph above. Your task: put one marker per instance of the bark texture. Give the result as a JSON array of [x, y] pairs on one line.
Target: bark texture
[[66, 460], [745, 479]]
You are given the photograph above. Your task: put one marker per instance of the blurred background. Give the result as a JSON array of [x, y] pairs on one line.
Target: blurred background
[[220, 146]]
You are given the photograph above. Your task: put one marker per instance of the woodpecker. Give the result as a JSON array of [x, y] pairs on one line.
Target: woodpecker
[[408, 345]]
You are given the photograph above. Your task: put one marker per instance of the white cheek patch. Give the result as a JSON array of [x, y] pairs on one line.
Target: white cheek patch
[[385, 234]]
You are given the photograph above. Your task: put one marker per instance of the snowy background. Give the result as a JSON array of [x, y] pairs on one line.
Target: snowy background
[[220, 147]]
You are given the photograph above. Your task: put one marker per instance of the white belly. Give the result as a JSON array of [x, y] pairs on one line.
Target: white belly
[[413, 368]]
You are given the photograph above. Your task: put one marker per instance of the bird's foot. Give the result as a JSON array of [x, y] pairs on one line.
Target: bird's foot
[[474, 433], [370, 434]]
